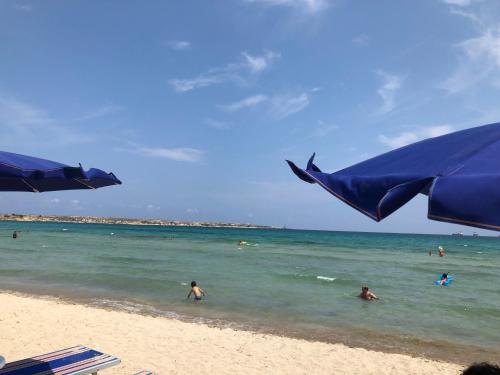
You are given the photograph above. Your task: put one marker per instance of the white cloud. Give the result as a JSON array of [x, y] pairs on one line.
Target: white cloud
[[247, 67], [179, 45], [177, 154], [460, 3], [183, 85], [217, 124], [310, 6], [278, 106], [249, 102], [400, 140], [21, 120], [324, 129], [436, 131], [75, 204], [405, 138], [469, 15], [101, 112], [55, 200], [480, 60], [285, 105], [23, 7], [390, 86], [257, 64], [361, 40], [192, 210]]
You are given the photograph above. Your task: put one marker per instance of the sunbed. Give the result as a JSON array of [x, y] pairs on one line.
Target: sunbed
[[77, 360]]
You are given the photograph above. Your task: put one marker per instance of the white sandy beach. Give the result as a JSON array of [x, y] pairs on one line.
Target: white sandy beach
[[32, 326]]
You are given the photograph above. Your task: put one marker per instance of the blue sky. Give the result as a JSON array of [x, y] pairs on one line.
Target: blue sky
[[195, 105]]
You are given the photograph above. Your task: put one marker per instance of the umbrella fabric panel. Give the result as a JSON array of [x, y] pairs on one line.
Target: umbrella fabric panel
[[27, 173], [467, 200], [460, 172], [27, 162], [427, 158]]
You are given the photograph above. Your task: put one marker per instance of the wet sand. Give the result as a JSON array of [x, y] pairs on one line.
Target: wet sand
[[32, 326]]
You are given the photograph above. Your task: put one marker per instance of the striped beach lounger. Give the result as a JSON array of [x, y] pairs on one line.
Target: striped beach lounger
[[77, 360]]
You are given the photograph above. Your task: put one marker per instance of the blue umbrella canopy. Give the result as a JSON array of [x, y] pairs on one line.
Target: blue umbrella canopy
[[459, 172], [27, 173]]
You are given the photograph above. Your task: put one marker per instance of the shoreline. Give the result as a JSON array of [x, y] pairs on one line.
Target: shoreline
[[36, 218], [352, 337], [29, 218], [167, 345], [356, 338]]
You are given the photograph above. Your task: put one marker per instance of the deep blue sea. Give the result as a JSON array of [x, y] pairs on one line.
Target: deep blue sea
[[290, 282]]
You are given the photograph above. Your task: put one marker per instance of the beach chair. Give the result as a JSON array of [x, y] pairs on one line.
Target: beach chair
[[77, 360]]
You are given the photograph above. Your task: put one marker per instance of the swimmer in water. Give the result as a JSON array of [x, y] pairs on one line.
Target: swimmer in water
[[444, 278], [197, 291], [366, 294], [241, 242], [441, 251], [14, 235]]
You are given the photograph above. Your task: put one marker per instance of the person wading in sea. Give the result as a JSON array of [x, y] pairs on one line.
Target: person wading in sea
[[366, 294]]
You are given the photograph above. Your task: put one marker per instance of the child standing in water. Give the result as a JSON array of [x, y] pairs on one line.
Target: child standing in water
[[197, 291]]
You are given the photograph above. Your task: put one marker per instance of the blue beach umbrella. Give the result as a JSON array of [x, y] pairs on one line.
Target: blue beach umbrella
[[27, 173], [459, 172]]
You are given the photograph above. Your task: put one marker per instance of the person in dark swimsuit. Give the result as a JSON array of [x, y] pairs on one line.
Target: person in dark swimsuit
[[196, 291]]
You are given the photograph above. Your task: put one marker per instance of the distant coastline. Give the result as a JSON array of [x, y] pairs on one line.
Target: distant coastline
[[124, 221]]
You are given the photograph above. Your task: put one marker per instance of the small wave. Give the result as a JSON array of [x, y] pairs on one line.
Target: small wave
[[64, 229], [466, 245], [184, 283], [133, 307], [300, 275], [325, 278], [479, 252]]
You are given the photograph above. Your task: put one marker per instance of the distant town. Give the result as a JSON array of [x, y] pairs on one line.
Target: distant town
[[127, 221]]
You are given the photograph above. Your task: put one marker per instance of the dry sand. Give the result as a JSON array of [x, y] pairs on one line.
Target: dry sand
[[32, 326]]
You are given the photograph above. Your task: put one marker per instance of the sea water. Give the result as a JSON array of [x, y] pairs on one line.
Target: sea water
[[291, 282]]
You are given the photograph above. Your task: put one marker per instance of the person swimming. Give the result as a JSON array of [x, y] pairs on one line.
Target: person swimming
[[241, 242], [444, 278], [366, 294], [441, 251], [196, 291]]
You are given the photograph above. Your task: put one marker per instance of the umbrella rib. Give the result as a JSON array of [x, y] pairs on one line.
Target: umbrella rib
[[84, 184], [463, 222], [30, 186]]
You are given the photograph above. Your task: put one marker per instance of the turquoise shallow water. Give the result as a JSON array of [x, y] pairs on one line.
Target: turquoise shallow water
[[298, 283]]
